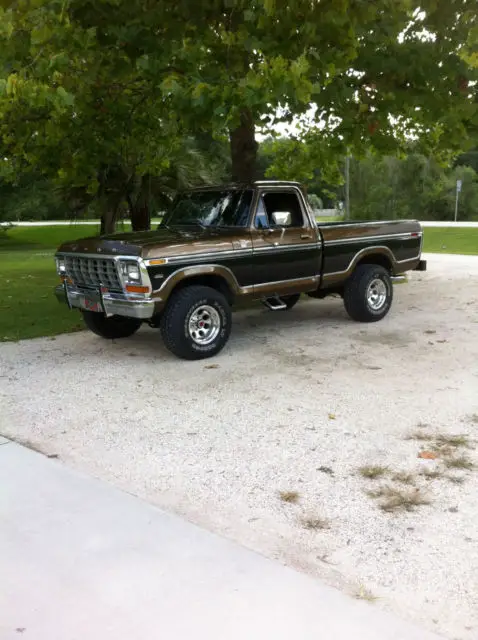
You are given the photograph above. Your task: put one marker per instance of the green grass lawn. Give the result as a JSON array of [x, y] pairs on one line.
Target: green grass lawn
[[28, 308], [44, 238], [320, 219], [451, 240]]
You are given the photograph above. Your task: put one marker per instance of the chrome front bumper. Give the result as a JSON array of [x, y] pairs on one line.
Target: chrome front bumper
[[112, 304]]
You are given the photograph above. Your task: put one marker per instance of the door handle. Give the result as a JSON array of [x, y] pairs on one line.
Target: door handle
[[305, 236]]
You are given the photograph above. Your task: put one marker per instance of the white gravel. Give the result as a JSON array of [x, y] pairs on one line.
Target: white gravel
[[293, 392]]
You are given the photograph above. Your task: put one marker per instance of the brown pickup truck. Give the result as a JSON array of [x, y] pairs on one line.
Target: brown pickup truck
[[218, 245]]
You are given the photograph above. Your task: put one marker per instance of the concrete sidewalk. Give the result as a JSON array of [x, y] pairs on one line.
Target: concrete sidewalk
[[80, 560]]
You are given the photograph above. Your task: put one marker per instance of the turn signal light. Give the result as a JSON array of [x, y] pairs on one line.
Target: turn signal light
[[133, 288]]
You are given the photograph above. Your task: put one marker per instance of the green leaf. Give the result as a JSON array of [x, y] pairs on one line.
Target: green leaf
[[59, 60], [269, 6], [199, 89], [65, 97], [41, 34], [142, 63], [11, 84], [170, 85], [142, 82]]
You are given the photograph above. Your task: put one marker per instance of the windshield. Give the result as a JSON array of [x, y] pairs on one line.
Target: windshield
[[210, 209]]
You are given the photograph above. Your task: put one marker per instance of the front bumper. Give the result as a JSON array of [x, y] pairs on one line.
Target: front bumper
[[112, 304]]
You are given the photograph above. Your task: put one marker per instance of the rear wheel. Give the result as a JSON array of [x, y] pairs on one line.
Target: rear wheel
[[196, 322], [368, 293], [112, 327]]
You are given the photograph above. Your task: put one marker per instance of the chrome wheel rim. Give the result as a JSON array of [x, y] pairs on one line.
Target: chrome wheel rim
[[204, 325], [376, 294]]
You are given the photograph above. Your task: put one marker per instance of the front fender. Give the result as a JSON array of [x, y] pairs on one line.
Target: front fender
[[185, 273]]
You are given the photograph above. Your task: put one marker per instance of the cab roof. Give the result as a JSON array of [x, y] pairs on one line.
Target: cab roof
[[248, 185]]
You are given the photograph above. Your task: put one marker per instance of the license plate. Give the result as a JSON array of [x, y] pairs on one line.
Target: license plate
[[91, 305]]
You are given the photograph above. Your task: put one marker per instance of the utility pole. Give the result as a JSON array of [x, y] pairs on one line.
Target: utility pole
[[347, 187], [458, 189]]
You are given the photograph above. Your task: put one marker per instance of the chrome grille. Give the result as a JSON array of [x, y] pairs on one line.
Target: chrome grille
[[93, 272]]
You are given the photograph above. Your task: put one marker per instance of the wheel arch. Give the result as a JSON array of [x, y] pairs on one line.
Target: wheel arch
[[215, 276], [381, 256]]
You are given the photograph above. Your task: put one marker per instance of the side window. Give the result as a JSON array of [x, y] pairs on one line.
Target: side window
[[283, 209], [261, 221]]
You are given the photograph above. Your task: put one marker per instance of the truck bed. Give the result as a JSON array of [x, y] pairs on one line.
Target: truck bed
[[345, 244]]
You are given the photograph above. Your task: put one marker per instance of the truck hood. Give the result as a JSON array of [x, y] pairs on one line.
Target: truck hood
[[157, 244]]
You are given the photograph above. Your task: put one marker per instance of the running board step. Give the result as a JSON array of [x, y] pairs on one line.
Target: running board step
[[275, 303], [399, 279]]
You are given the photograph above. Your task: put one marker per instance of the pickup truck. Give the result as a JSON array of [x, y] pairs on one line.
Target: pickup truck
[[219, 245]]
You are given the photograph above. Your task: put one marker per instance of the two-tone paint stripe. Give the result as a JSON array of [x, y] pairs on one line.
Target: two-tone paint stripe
[[282, 248], [235, 253], [376, 238]]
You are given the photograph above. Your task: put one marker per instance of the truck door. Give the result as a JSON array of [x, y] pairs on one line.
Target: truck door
[[285, 245]]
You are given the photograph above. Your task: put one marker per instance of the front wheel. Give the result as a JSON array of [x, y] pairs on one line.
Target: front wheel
[[368, 293], [112, 327], [196, 322]]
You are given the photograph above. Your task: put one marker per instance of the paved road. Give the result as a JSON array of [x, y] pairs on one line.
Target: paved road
[[80, 560], [429, 223]]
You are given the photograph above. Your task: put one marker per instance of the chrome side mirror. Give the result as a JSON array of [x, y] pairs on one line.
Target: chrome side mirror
[[282, 218]]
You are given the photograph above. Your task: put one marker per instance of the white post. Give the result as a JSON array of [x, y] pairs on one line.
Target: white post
[[458, 189]]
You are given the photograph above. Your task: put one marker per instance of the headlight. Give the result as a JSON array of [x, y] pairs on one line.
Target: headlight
[[60, 266], [130, 271]]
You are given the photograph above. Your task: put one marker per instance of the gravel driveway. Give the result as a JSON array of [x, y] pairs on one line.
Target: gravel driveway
[[296, 403]]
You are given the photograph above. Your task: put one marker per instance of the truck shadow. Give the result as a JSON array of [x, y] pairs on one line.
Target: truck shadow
[[252, 326]]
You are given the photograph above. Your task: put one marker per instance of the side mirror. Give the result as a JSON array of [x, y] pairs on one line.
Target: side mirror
[[282, 218]]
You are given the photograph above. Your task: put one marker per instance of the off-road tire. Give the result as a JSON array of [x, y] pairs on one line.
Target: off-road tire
[[357, 293], [176, 317], [112, 327]]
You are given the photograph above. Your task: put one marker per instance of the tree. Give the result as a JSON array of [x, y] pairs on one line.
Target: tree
[[414, 186], [468, 200], [314, 201], [78, 109], [378, 71], [193, 162], [468, 159], [293, 159], [101, 95], [32, 198]]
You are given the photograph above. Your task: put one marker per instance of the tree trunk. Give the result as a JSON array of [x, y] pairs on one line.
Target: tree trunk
[[109, 200], [244, 149], [108, 220], [140, 213]]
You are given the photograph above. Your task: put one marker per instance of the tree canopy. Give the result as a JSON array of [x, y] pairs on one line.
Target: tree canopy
[[412, 187], [102, 96]]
